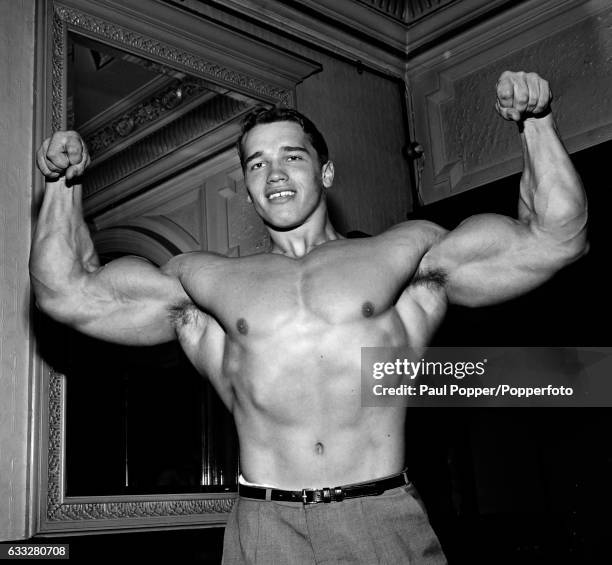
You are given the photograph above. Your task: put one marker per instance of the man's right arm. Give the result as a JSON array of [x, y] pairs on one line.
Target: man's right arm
[[128, 300]]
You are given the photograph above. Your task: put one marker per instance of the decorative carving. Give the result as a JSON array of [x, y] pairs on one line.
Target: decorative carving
[[120, 510], [149, 46], [59, 509], [54, 469], [407, 11], [57, 73], [188, 127], [145, 113]]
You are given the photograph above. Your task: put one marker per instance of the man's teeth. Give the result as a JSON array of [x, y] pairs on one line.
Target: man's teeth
[[281, 194]]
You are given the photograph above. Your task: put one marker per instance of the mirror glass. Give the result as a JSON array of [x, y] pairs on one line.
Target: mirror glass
[[138, 420]]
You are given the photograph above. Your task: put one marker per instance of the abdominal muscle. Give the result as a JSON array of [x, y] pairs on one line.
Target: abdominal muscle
[[297, 405]]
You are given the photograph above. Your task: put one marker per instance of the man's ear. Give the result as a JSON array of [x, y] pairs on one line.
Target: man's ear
[[327, 174]]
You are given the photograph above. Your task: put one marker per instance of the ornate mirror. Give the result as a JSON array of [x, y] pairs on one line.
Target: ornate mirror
[[133, 438]]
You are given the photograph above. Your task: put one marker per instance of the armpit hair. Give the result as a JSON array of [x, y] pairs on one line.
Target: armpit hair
[[433, 279], [182, 314]]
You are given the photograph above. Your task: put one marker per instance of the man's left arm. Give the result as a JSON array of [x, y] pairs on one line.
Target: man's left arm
[[490, 258]]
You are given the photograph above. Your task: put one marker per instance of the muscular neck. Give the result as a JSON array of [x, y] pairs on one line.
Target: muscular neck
[[295, 243]]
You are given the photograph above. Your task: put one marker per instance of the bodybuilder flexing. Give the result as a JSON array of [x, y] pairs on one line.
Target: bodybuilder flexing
[[279, 334]]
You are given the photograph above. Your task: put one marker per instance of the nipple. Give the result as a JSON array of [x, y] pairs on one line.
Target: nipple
[[319, 448], [242, 326], [367, 309]]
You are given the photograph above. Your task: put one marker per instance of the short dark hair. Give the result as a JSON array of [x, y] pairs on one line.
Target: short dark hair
[[262, 115]]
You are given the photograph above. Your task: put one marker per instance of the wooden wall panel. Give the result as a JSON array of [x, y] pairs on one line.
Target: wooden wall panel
[[361, 116], [453, 90]]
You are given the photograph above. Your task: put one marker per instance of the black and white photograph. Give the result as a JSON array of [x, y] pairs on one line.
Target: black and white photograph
[[305, 282]]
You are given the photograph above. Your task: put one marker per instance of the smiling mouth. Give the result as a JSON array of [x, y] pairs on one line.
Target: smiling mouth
[[281, 194]]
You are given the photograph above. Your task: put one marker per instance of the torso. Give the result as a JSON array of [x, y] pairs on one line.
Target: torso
[[281, 343]]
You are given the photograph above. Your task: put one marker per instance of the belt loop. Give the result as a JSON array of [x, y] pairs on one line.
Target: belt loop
[[268, 494]]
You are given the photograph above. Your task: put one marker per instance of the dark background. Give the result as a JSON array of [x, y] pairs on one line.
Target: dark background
[[528, 485]]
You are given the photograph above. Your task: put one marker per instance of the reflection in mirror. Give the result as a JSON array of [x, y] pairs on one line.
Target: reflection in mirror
[[134, 113], [115, 98], [138, 420]]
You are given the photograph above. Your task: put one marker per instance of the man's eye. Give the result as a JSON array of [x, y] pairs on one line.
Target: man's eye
[[256, 166], [294, 158]]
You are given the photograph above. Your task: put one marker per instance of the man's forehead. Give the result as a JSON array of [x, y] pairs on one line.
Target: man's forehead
[[276, 135]]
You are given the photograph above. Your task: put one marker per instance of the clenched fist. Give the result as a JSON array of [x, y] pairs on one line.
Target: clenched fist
[[522, 95], [64, 153]]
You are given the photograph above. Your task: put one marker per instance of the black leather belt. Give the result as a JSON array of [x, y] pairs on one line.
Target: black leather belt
[[327, 494]]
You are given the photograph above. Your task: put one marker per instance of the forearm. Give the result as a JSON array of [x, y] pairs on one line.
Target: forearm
[[62, 250], [553, 202]]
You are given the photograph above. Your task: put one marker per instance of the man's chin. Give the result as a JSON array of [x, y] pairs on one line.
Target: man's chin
[[289, 219], [283, 225]]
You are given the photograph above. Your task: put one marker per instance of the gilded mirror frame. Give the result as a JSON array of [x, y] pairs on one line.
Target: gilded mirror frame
[[160, 33]]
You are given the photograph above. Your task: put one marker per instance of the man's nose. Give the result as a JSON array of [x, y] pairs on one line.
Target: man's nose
[[276, 173]]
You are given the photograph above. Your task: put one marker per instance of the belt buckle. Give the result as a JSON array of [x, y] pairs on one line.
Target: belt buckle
[[305, 500], [317, 496], [325, 494]]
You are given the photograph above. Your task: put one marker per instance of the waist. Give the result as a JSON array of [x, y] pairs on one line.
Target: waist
[[325, 494], [311, 455]]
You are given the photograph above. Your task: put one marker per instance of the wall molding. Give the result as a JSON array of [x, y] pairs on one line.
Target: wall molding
[[364, 31], [452, 90], [235, 62]]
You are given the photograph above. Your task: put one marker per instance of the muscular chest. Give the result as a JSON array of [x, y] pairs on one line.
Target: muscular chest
[[281, 294]]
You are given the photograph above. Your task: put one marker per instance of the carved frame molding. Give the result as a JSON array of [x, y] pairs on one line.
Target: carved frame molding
[[87, 22], [63, 513]]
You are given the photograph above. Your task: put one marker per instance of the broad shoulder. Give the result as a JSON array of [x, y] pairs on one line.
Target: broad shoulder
[[420, 232], [185, 263], [414, 237]]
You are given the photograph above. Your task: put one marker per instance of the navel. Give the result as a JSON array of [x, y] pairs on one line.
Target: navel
[[367, 309], [319, 448], [242, 326]]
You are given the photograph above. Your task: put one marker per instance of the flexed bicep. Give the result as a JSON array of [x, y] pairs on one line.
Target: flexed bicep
[[490, 258], [128, 301]]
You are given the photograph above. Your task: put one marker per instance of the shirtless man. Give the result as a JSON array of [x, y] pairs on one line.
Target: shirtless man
[[279, 334]]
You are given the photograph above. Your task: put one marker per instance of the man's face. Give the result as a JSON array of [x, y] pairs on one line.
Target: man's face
[[282, 174]]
